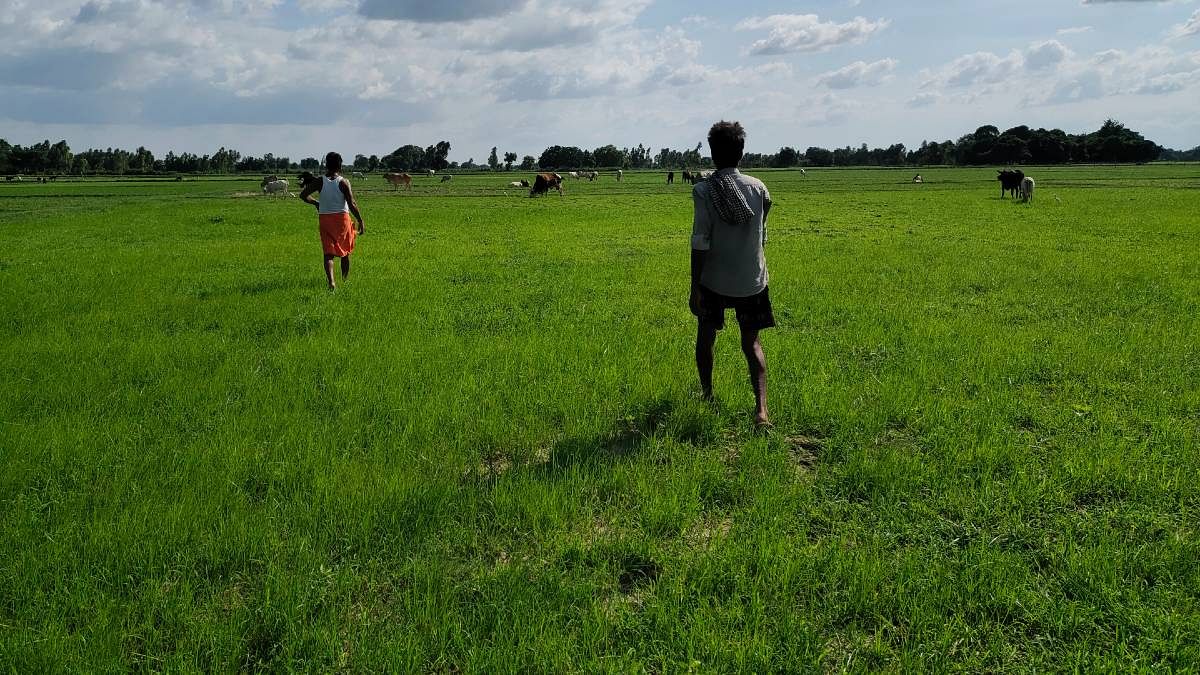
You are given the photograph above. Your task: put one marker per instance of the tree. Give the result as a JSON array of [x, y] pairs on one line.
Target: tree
[[494, 160], [608, 156], [310, 164], [509, 158], [787, 156], [435, 156], [405, 158], [528, 163], [819, 157]]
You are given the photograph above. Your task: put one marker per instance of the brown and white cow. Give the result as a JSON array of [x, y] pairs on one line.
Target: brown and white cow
[[544, 182], [398, 179]]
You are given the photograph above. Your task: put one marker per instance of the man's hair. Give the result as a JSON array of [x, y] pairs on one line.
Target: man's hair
[[727, 140], [333, 161]]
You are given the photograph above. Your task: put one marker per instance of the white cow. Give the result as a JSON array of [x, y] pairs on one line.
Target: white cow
[[359, 174], [430, 172], [277, 187], [574, 174], [1027, 189], [620, 174]]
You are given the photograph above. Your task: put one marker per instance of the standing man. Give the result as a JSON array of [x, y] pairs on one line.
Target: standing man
[[334, 206], [729, 268]]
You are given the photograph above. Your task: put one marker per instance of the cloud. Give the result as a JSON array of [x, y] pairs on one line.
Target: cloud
[[1074, 30], [1046, 54], [1187, 28], [857, 74], [791, 33], [426, 11], [974, 70]]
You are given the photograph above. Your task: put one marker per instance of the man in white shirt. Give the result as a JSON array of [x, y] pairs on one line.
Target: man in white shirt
[[729, 268]]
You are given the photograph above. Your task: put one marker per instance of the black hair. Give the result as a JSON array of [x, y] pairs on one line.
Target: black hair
[[333, 161], [727, 140]]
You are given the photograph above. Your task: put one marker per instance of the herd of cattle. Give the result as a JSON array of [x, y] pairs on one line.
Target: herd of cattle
[[1013, 182]]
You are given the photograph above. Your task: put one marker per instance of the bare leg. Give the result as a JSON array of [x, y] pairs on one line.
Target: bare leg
[[329, 270], [345, 267], [706, 337], [756, 360]]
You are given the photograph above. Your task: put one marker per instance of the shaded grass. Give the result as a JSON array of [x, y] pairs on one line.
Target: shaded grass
[[484, 451]]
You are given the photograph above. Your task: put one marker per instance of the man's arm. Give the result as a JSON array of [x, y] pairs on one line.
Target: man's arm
[[701, 242], [306, 193], [766, 211], [350, 202]]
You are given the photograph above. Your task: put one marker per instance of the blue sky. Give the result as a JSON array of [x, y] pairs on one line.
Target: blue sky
[[300, 77]]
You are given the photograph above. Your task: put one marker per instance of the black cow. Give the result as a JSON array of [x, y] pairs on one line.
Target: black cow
[[1010, 181], [670, 177]]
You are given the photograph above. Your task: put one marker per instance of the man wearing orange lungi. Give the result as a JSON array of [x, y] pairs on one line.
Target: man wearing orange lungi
[[334, 206]]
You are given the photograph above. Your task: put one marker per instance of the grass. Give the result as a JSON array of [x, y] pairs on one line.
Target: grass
[[485, 451]]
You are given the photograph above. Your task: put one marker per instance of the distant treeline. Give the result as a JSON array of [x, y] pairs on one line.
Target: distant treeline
[[1111, 143]]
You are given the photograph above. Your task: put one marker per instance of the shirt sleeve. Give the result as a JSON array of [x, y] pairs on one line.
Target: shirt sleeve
[[701, 222]]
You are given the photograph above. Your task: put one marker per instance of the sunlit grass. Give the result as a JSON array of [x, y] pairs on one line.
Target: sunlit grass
[[484, 452]]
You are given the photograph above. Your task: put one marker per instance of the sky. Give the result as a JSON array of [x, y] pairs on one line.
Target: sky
[[302, 77]]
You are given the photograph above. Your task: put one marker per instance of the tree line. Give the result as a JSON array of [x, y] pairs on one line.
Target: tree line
[[1113, 142]]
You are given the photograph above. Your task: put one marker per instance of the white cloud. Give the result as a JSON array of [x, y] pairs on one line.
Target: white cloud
[[1074, 30], [1187, 28], [789, 33], [1046, 54], [858, 74]]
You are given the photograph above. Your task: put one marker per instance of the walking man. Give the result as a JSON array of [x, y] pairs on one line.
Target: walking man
[[729, 268], [335, 204]]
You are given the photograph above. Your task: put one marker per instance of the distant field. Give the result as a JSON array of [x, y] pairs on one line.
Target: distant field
[[485, 452]]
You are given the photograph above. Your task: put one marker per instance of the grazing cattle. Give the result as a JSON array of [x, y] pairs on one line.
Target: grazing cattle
[[573, 174], [917, 179], [591, 175], [1010, 181], [276, 187], [687, 176], [519, 184], [1027, 189], [268, 179], [398, 179], [359, 174], [544, 182], [670, 178], [620, 173], [803, 172], [430, 172], [445, 178]]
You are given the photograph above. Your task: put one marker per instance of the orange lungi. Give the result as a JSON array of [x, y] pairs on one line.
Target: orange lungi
[[337, 233]]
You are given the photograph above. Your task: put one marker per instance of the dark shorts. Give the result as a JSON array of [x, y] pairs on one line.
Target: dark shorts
[[753, 313]]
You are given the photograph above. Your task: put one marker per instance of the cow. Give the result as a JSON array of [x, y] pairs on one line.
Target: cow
[[803, 172], [359, 174], [398, 179], [1027, 189], [574, 174], [277, 187], [620, 173], [519, 184], [544, 182], [430, 172], [917, 179], [687, 176], [307, 179], [268, 179], [1010, 181], [670, 178], [445, 178]]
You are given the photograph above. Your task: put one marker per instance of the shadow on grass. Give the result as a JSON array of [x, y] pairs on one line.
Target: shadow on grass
[[645, 426]]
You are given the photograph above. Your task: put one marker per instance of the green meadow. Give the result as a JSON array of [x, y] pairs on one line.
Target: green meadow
[[486, 452]]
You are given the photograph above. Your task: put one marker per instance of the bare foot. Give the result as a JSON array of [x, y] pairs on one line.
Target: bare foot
[[761, 423]]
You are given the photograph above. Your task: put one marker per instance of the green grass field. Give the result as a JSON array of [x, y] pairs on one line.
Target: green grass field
[[485, 452]]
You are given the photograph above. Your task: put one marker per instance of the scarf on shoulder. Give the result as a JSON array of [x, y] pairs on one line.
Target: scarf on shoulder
[[728, 200]]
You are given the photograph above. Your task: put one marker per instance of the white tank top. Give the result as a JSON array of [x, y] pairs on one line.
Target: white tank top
[[332, 200]]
